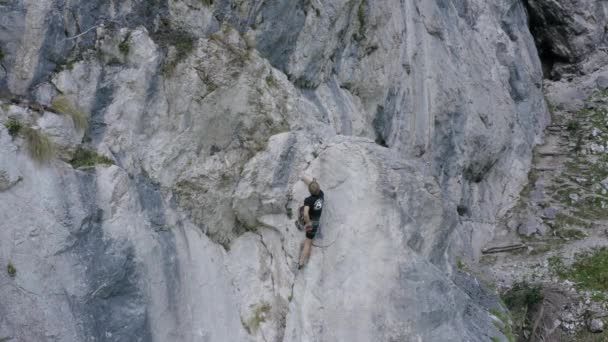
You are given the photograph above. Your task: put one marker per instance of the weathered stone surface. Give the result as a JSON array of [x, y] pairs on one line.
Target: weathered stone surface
[[9, 172], [569, 33], [413, 255], [550, 213], [404, 111], [532, 225]]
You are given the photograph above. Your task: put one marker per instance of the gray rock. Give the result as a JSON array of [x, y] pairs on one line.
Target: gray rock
[[212, 112], [9, 172], [513, 224], [574, 197], [604, 183], [595, 325], [569, 32], [602, 81], [568, 317], [550, 213], [596, 148], [543, 229], [532, 225]]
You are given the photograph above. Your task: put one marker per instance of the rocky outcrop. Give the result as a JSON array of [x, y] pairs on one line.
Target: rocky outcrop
[[571, 35], [418, 118]]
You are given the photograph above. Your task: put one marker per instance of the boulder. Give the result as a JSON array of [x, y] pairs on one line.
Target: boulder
[[595, 325]]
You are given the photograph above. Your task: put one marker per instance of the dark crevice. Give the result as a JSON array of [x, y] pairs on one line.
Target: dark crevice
[[462, 210], [538, 24]]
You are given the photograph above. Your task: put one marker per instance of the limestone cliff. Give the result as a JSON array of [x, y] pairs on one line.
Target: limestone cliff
[[151, 152]]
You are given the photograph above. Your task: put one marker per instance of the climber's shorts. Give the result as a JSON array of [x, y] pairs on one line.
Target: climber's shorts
[[311, 234], [315, 225]]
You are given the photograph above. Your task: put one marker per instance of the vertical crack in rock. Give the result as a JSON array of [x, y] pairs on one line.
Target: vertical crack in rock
[[152, 203], [113, 305], [104, 95], [280, 177], [270, 266]]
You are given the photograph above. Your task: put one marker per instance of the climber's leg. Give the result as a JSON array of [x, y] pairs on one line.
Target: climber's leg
[[305, 253]]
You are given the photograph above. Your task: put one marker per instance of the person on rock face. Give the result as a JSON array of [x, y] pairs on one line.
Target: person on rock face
[[310, 215]]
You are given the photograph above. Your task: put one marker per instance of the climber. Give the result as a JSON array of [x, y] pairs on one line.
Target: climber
[[310, 215]]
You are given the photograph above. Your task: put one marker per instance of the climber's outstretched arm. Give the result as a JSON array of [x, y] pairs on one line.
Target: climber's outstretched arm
[[306, 179]]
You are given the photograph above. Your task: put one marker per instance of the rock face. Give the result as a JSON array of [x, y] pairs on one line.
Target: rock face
[[571, 35], [417, 118]]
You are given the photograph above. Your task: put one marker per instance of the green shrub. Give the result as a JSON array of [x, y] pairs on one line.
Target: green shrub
[[522, 295], [124, 47], [461, 265], [62, 105], [573, 126], [84, 157], [182, 41], [40, 147], [11, 270], [1, 54], [270, 81], [519, 300], [13, 126]]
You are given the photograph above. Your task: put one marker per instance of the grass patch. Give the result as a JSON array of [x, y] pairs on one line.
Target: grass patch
[[550, 106], [599, 297], [1, 54], [461, 265], [589, 270], [40, 147], [124, 47], [584, 335], [61, 104], [11, 270], [593, 172], [571, 234], [573, 126], [64, 65], [563, 220], [260, 314], [86, 157], [591, 207], [182, 41], [270, 81], [207, 2], [13, 126], [527, 189], [361, 19], [504, 324], [547, 246], [556, 264]]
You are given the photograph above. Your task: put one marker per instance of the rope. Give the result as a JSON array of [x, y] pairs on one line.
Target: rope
[[83, 33]]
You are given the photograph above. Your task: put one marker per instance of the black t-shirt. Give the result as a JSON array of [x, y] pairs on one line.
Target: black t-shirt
[[315, 206]]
